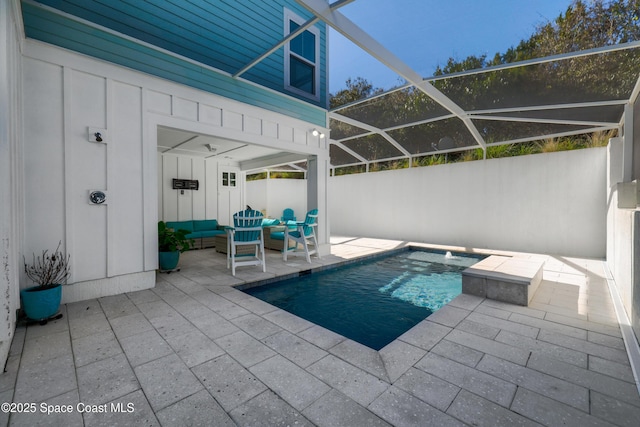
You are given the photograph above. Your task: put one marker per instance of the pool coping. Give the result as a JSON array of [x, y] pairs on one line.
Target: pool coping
[[320, 268], [463, 301], [346, 262], [495, 278]]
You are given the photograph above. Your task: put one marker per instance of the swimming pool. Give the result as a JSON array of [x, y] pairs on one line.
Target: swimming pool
[[375, 301]]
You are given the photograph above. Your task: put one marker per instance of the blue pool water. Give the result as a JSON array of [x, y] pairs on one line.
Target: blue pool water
[[376, 301]]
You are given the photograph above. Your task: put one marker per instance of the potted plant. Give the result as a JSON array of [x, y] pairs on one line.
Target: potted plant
[[49, 271], [170, 243]]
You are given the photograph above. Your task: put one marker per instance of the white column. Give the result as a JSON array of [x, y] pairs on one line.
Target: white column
[[317, 197], [627, 153]]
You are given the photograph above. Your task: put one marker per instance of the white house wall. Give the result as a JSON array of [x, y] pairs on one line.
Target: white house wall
[[623, 236], [204, 203], [11, 209], [113, 247], [552, 203]]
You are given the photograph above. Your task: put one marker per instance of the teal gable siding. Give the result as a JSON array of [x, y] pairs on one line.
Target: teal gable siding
[[224, 35]]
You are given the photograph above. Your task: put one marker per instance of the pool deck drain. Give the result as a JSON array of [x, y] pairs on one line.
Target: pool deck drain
[[502, 278]]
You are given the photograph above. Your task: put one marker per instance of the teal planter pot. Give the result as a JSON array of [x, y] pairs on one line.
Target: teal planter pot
[[168, 260], [39, 303]]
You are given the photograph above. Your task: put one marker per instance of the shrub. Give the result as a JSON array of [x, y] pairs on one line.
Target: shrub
[[49, 269]]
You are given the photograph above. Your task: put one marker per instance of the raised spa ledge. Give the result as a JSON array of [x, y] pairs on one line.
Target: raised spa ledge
[[507, 279]]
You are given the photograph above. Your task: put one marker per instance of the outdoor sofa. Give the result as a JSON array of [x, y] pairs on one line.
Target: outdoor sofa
[[203, 232]]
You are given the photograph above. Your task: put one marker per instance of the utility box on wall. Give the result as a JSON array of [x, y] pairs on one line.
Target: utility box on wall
[[185, 184]]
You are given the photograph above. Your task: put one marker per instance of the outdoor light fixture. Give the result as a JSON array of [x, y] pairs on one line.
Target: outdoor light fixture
[[97, 135], [212, 148], [97, 197], [316, 132]]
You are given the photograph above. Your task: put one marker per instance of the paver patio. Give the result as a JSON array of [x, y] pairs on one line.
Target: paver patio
[[196, 351]]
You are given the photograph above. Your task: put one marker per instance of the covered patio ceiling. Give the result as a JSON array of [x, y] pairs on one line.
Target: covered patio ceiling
[[249, 157], [478, 108]]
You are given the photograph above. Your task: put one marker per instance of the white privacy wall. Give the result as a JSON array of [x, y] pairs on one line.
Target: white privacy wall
[[553, 203], [274, 195]]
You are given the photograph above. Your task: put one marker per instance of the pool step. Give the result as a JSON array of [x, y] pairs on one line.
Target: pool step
[[507, 279]]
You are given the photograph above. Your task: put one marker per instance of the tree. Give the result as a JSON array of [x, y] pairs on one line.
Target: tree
[[355, 90], [610, 76], [584, 25]]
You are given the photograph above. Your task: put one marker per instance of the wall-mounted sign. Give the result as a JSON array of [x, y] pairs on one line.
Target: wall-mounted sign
[[185, 184]]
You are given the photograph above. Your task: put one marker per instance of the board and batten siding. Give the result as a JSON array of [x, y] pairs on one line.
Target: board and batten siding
[[223, 36], [11, 190], [175, 205], [114, 246]]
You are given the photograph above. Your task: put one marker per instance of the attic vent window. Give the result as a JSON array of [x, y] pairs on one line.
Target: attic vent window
[[301, 59]]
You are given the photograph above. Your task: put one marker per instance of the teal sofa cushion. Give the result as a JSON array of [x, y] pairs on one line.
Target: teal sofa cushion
[[180, 225], [210, 233], [205, 225], [269, 222], [292, 225], [277, 235], [198, 229]]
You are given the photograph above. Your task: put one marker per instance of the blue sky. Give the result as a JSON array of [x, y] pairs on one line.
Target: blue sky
[[425, 33]]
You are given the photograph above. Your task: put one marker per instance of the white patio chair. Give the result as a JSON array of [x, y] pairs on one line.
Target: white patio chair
[[304, 234]]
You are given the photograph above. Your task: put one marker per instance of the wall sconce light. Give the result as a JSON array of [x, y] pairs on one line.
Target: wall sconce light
[[316, 132], [97, 135]]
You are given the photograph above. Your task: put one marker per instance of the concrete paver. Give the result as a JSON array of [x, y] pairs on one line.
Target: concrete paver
[[194, 350]]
